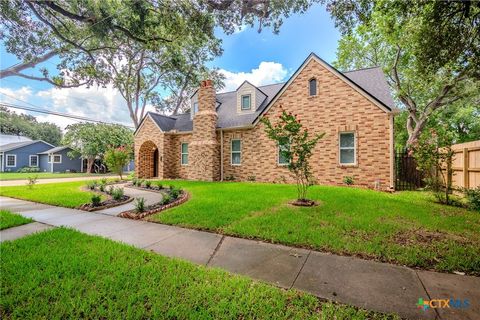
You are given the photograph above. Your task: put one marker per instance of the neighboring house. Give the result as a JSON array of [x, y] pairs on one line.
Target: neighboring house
[[222, 136], [16, 155], [57, 160], [10, 138]]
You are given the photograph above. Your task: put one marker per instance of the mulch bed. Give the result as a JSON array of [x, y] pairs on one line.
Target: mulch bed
[[303, 203], [155, 208], [109, 203]]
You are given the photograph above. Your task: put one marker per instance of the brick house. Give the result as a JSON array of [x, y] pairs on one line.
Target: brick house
[[222, 137]]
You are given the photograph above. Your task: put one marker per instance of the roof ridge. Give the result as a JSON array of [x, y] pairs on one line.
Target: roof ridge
[[366, 68], [162, 115], [262, 86]]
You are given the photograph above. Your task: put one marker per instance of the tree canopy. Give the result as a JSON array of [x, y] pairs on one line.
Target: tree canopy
[[27, 125], [429, 51]]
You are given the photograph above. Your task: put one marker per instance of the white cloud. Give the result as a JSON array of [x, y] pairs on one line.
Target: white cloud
[[15, 96], [266, 73]]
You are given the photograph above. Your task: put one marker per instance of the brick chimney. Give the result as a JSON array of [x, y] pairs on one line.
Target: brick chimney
[[204, 150]]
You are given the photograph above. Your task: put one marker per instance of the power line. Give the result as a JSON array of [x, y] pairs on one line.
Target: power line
[[55, 113]]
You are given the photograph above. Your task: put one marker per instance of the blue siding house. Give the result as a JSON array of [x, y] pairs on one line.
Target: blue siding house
[[57, 160], [16, 155]]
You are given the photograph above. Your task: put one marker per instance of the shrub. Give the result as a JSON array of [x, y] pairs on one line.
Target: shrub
[[140, 182], [348, 180], [473, 198], [32, 181], [117, 193], [230, 178], [96, 199], [140, 204], [174, 193], [148, 184], [166, 199], [29, 170], [91, 185], [251, 178], [117, 158], [159, 185], [131, 175], [110, 189], [102, 186], [134, 181], [103, 181]]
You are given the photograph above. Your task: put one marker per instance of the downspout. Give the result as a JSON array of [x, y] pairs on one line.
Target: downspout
[[392, 152], [221, 155], [50, 155], [1, 164]]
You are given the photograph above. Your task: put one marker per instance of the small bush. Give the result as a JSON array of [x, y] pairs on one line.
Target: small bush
[[159, 185], [110, 190], [140, 182], [32, 181], [117, 194], [230, 178], [29, 170], [140, 204], [166, 199], [348, 180], [134, 181], [131, 175], [103, 181], [473, 198], [91, 185], [174, 193], [102, 187], [171, 187], [251, 178], [148, 184], [96, 199]]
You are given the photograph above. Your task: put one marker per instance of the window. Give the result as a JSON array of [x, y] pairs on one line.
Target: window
[[33, 161], [282, 157], [184, 154], [246, 103], [312, 86], [11, 160], [347, 148], [195, 107], [236, 152], [57, 158]]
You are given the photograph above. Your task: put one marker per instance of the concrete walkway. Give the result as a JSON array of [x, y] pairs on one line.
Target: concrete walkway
[[149, 196], [9, 183], [367, 284]]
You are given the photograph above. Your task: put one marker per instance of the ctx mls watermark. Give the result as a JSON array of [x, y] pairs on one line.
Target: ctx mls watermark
[[442, 303]]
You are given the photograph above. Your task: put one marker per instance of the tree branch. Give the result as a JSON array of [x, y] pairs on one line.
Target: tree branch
[[14, 70]]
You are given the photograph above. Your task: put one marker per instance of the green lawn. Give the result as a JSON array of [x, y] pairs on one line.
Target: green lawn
[[65, 194], [9, 220], [43, 175], [404, 228], [68, 275]]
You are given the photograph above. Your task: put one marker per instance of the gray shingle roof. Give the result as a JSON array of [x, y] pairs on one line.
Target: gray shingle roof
[[371, 80], [54, 150], [16, 145]]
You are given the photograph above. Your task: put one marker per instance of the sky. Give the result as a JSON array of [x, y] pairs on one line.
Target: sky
[[261, 58]]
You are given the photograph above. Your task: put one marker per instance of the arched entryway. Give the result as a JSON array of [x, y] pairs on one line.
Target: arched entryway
[[148, 156]]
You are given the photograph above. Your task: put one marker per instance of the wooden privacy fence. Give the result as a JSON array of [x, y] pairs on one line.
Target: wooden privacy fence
[[466, 165]]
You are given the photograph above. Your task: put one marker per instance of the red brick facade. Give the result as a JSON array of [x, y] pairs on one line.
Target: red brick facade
[[337, 107]]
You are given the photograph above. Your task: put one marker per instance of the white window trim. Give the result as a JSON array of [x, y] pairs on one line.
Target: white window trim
[[232, 152], [340, 148], [50, 156], [278, 158], [182, 153], [241, 102], [6, 160], [30, 160]]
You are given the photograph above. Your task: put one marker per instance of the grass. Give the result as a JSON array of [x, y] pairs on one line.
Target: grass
[[43, 175], [68, 275], [9, 220], [64, 194], [405, 228]]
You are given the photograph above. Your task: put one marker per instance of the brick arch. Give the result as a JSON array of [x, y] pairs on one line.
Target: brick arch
[[148, 158]]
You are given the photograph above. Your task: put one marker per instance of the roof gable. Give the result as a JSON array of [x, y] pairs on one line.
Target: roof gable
[[17, 145]]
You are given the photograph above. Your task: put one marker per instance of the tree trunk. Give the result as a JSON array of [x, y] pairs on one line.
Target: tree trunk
[[90, 162], [414, 130]]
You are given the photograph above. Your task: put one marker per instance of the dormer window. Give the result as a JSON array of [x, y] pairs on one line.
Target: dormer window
[[246, 102], [312, 87]]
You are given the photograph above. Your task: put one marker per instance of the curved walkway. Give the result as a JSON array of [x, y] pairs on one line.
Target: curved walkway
[[367, 284], [9, 183], [149, 196]]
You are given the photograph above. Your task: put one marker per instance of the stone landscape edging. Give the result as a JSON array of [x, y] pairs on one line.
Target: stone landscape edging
[[131, 215]]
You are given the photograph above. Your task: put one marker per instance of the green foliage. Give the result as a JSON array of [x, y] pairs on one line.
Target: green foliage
[[110, 190], [92, 184], [8, 220], [159, 184], [174, 193], [117, 158], [299, 147], [27, 125], [102, 187], [251, 178], [166, 199], [230, 177], [91, 140], [140, 205], [434, 155], [96, 199], [348, 180], [32, 181], [28, 170], [117, 193], [148, 184], [473, 198]]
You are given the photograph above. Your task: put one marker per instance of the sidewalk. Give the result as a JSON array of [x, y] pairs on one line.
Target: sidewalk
[[9, 183], [367, 284]]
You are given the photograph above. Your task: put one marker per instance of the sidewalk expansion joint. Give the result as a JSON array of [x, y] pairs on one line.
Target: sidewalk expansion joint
[[301, 268], [216, 250], [428, 294]]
